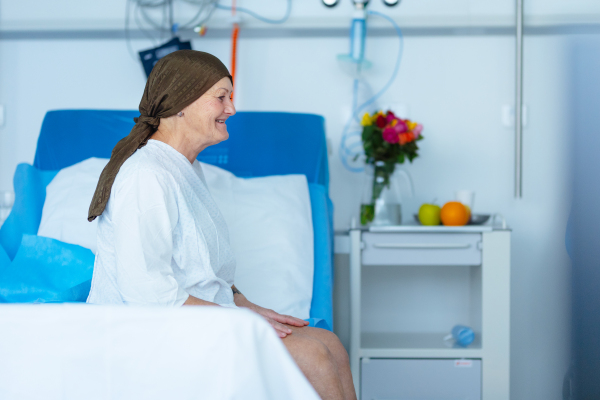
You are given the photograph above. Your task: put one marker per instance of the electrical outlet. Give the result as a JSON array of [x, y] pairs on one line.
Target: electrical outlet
[[508, 116], [329, 146]]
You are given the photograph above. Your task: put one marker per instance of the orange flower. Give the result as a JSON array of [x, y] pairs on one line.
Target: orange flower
[[405, 137]]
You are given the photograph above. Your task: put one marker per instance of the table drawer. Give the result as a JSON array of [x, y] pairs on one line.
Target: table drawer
[[421, 248], [408, 379]]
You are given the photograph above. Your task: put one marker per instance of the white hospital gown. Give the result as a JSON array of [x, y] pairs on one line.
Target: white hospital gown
[[161, 237]]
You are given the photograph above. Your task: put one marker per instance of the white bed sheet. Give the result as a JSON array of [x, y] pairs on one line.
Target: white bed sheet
[[113, 352]]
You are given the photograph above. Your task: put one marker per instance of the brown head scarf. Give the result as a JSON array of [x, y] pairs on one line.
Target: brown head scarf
[[176, 81]]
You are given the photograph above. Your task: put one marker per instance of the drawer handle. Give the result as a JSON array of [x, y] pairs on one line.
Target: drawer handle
[[422, 245]]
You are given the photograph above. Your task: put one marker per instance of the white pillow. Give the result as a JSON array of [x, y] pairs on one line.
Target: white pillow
[[269, 221], [271, 234], [68, 198]]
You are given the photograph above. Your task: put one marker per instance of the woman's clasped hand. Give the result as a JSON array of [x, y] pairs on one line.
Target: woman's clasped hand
[[276, 320]]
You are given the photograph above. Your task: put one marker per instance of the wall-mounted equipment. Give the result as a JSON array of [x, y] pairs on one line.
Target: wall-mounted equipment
[[333, 3], [150, 57]]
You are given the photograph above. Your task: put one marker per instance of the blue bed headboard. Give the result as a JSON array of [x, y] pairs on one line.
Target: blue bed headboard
[[260, 143]]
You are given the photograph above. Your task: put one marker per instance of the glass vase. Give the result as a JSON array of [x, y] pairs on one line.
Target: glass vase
[[381, 201]]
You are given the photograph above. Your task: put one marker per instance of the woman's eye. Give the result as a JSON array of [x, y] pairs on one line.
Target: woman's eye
[[221, 98]]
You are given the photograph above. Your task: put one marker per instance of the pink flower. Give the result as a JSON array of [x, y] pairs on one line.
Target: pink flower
[[417, 131], [390, 116], [398, 125], [390, 135]]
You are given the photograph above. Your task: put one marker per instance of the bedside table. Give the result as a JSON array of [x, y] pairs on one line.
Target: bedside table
[[462, 275]]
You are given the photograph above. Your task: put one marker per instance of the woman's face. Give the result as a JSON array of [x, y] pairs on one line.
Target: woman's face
[[206, 117]]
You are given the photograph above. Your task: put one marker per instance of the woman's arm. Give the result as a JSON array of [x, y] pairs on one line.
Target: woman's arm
[[275, 319], [144, 214], [194, 301]]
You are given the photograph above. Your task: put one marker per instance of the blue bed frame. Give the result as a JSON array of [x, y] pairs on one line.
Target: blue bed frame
[[260, 144]]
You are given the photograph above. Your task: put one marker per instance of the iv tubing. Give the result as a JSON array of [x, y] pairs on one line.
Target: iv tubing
[[346, 151], [396, 67], [258, 17]]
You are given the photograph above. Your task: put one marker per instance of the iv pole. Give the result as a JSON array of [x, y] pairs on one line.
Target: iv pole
[[519, 102]]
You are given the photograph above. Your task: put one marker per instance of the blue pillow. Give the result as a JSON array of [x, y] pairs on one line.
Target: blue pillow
[[47, 271], [30, 193]]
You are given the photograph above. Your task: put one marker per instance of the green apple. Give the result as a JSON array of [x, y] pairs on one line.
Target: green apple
[[429, 214]]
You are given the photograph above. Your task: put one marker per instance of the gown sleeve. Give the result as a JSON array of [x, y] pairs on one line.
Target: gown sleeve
[[144, 217]]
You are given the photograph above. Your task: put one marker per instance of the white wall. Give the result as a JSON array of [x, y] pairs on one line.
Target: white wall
[[65, 14], [455, 86]]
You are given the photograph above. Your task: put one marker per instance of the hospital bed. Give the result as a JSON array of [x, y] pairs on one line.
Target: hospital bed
[[260, 144]]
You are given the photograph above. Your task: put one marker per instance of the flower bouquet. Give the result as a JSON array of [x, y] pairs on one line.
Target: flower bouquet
[[387, 141]]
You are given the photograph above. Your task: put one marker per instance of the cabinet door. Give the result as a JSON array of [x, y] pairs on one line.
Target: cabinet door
[[409, 379], [421, 248]]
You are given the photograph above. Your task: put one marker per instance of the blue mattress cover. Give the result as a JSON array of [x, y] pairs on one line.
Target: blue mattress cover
[[260, 144]]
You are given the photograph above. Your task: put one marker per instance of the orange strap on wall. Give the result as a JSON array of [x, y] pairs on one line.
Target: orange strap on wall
[[234, 37]]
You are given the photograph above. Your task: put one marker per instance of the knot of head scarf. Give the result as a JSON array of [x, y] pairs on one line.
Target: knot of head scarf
[[153, 122], [176, 81]]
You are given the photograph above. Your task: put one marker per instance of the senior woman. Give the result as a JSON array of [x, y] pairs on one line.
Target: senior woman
[[161, 237]]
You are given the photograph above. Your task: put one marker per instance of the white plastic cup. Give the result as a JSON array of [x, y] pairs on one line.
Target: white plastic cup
[[467, 197]]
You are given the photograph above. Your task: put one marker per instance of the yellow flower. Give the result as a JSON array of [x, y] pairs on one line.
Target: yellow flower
[[410, 125], [366, 120]]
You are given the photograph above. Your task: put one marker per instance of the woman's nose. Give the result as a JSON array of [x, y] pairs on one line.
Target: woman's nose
[[230, 108]]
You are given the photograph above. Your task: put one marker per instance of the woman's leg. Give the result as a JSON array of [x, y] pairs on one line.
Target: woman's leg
[[317, 363], [340, 355], [337, 351]]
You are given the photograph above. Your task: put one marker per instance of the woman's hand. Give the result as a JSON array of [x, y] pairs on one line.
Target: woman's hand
[[276, 320]]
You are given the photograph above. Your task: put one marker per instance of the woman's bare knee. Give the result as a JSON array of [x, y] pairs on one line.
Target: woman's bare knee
[[317, 363], [308, 351], [339, 354], [330, 340]]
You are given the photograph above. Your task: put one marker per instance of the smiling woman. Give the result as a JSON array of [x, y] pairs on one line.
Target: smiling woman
[[161, 237]]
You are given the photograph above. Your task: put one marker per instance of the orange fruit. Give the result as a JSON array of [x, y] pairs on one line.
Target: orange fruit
[[454, 214], [468, 211]]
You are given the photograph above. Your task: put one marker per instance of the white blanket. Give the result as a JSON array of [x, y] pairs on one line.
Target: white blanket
[[102, 352]]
